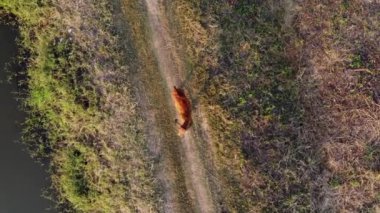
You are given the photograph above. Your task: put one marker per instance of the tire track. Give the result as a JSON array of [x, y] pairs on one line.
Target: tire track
[[172, 71]]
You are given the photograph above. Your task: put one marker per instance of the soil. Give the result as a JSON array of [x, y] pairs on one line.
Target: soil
[[172, 70]]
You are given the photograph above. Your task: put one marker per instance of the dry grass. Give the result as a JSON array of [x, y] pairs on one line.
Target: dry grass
[[292, 92], [340, 76], [154, 105], [196, 36]]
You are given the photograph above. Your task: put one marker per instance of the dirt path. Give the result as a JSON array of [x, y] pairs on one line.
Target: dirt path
[[172, 71]]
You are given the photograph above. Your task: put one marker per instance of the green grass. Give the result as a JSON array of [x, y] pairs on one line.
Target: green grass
[[79, 181], [81, 112]]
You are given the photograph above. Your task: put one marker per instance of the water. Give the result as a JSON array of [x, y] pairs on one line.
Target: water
[[21, 179]]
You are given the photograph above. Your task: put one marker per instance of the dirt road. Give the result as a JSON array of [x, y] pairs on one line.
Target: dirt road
[[198, 179]]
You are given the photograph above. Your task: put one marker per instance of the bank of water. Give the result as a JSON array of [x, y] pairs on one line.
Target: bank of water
[[21, 179]]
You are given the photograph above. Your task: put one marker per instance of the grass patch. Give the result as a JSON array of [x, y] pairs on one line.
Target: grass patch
[[251, 94], [270, 74], [79, 182], [81, 112], [339, 95]]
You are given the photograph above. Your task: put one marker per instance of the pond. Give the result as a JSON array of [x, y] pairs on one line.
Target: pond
[[21, 179]]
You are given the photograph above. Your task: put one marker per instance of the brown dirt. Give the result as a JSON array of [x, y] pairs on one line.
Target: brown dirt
[[172, 71]]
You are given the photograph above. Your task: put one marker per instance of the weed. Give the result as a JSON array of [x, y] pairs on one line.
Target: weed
[[273, 75], [81, 114]]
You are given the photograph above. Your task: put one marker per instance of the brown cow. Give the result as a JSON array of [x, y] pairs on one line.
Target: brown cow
[[183, 106]]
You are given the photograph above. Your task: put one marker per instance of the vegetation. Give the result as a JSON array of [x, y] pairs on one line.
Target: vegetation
[[153, 104], [289, 90], [81, 111]]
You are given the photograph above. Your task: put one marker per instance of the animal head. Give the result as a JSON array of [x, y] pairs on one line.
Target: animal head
[[179, 92]]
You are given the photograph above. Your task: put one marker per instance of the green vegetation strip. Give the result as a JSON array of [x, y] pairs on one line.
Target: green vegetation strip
[[81, 112]]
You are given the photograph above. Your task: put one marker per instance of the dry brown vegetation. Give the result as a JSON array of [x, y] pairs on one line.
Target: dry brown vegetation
[[339, 62], [292, 92]]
